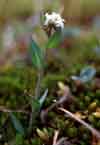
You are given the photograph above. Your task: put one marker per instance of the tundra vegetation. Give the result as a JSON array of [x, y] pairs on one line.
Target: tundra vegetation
[[49, 72]]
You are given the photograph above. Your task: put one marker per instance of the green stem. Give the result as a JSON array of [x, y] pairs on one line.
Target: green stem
[[37, 95], [38, 86]]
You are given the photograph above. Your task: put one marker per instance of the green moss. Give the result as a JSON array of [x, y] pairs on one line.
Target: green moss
[[50, 80], [87, 99], [60, 123], [49, 101], [97, 125], [72, 107], [72, 131], [91, 118], [13, 84], [81, 105], [97, 94], [36, 141]]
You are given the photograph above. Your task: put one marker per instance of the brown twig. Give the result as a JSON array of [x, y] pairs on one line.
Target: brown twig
[[6, 110], [61, 101], [71, 115], [44, 113]]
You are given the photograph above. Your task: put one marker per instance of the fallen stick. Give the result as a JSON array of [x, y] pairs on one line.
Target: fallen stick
[[71, 115], [6, 110], [55, 137]]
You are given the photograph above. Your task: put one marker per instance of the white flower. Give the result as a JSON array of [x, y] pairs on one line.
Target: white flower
[[55, 19]]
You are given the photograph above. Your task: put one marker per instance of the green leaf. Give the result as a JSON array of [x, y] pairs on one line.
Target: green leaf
[[54, 40], [16, 123], [37, 55], [43, 97], [59, 36]]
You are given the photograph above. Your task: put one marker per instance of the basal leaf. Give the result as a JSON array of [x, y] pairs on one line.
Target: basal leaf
[[17, 124]]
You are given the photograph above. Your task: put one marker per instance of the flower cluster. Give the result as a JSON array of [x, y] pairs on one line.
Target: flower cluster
[[54, 19]]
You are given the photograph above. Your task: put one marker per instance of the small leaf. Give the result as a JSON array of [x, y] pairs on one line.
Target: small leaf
[[37, 103], [80, 115], [61, 85], [65, 92], [54, 40], [43, 97], [96, 114], [64, 89], [42, 134], [75, 78], [92, 106], [16, 123], [37, 55], [86, 75]]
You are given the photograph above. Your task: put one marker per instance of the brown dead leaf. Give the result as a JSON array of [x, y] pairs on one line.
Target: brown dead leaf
[[42, 134], [92, 106], [96, 114], [64, 91], [80, 115]]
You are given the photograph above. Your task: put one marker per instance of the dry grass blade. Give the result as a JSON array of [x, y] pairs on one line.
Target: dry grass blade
[[55, 137], [71, 115], [6, 110], [61, 141]]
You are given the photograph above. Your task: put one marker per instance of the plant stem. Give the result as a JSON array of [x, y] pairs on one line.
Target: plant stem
[[37, 95], [38, 85]]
